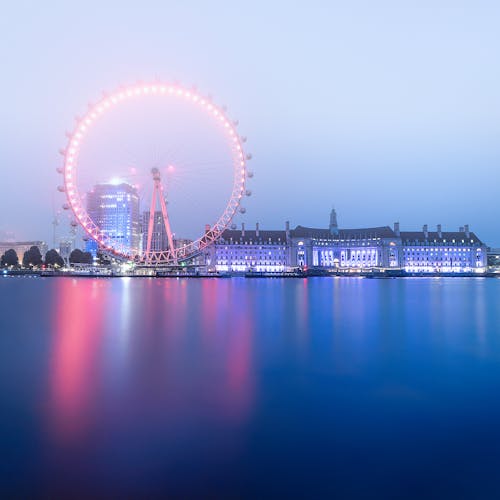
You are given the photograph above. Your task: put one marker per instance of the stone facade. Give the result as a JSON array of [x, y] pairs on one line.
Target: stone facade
[[348, 249]]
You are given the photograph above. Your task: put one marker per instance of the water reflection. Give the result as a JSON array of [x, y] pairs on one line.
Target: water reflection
[[78, 329], [147, 355], [137, 387]]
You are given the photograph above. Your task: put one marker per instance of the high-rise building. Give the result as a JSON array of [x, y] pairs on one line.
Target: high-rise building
[[91, 247], [159, 238], [114, 208]]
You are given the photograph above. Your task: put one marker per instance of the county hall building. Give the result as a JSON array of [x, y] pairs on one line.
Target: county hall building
[[348, 249]]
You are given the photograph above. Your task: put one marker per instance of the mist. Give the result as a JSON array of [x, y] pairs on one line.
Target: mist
[[388, 113]]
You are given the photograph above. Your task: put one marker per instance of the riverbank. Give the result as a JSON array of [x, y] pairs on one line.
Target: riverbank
[[108, 273]]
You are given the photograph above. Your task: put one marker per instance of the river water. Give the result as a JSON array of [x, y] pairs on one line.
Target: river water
[[317, 388]]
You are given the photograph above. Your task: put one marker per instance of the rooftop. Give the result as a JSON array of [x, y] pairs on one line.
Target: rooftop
[[343, 234], [251, 235], [380, 232], [446, 236]]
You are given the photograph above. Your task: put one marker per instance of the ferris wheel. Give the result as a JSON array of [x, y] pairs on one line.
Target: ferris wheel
[[175, 250]]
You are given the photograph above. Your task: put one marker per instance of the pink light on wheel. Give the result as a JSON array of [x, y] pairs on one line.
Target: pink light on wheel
[[157, 91]]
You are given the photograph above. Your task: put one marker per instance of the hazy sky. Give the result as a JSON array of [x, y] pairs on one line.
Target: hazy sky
[[388, 110]]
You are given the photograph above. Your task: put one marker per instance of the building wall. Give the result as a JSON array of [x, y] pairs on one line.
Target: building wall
[[242, 251], [115, 210], [371, 248], [247, 257], [159, 239], [443, 258], [493, 257], [92, 247], [440, 251], [332, 253]]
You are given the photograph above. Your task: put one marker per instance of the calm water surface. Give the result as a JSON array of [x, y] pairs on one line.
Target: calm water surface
[[319, 388]]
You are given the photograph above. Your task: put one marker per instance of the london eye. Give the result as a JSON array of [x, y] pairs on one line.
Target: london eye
[[186, 175]]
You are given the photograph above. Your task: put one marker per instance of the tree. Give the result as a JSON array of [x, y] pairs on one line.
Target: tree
[[79, 257], [9, 258], [76, 256], [87, 258], [53, 259], [32, 257]]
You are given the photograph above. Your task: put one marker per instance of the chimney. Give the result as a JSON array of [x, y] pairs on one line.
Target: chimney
[[467, 230], [242, 229], [461, 229], [396, 229], [287, 230], [439, 231], [425, 229], [257, 232]]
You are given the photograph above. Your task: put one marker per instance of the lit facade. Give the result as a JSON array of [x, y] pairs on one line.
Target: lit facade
[[494, 259], [254, 250], [443, 251], [91, 247], [349, 249], [367, 248], [115, 210]]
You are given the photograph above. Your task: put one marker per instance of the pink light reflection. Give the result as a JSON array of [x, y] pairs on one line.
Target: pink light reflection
[[77, 325], [235, 393]]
